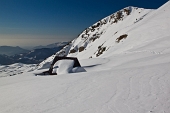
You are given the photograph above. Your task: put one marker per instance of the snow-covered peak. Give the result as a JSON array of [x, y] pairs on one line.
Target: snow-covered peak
[[120, 32], [102, 35], [91, 41]]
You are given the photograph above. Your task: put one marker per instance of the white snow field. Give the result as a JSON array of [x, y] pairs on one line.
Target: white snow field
[[131, 75]]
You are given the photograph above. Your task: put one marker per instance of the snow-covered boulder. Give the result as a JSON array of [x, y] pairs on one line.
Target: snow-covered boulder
[[63, 67]]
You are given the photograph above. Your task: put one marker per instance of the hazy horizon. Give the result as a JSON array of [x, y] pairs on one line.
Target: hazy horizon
[[41, 22], [29, 41]]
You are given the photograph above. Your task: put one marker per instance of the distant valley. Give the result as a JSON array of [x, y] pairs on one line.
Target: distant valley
[[10, 55], [9, 50]]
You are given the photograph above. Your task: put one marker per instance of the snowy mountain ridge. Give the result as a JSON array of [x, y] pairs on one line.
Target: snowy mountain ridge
[[97, 34], [103, 35]]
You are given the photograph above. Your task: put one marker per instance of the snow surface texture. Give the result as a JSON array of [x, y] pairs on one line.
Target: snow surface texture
[[15, 69], [128, 73]]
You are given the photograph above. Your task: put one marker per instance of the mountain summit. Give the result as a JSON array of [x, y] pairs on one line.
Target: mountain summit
[[127, 30]]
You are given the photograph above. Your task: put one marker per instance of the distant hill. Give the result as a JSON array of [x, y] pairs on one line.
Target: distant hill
[[58, 44], [35, 56], [9, 50], [27, 57]]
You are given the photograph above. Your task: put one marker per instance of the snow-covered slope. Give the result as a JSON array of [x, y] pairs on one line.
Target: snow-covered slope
[[127, 72], [123, 31], [15, 69], [103, 35]]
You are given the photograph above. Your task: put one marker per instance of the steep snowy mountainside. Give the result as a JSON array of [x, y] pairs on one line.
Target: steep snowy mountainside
[[127, 30], [140, 27], [103, 35]]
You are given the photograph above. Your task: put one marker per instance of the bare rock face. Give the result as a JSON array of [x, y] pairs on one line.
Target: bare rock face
[[73, 51], [121, 37], [100, 51], [81, 49]]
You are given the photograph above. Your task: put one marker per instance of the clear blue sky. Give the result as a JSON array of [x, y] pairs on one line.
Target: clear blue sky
[[41, 22]]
